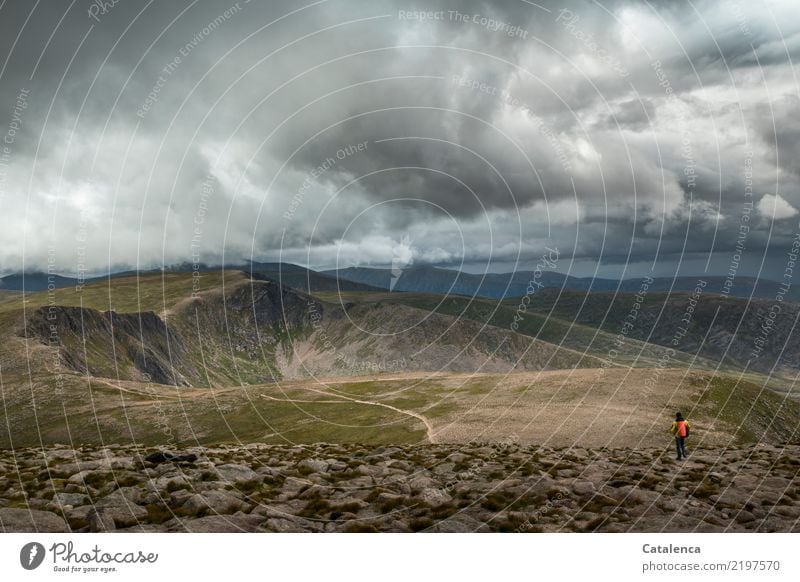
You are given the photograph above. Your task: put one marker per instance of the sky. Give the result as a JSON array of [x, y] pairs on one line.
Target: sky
[[634, 137]]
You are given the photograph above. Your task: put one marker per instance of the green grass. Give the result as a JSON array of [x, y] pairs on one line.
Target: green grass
[[746, 405], [129, 294]]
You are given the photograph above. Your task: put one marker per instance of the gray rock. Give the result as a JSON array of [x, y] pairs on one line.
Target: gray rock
[[370, 470], [121, 497], [436, 497], [14, 520], [237, 474], [172, 482], [78, 516], [421, 482], [109, 518], [218, 524], [62, 499], [100, 521], [444, 468], [457, 458], [219, 502], [82, 477], [583, 487], [315, 491], [460, 523], [292, 486], [404, 466], [292, 525], [745, 517], [314, 465]]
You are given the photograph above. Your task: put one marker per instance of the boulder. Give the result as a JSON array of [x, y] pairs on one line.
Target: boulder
[[460, 523], [219, 502], [78, 516], [99, 521], [292, 525], [109, 518], [237, 474], [219, 524], [13, 520], [62, 499], [165, 457], [88, 475], [421, 482], [583, 487], [313, 465], [121, 497], [436, 497]]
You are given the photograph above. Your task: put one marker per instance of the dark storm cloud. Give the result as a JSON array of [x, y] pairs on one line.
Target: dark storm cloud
[[166, 131]]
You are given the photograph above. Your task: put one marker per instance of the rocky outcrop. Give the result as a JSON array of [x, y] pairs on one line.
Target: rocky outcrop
[[136, 346], [432, 488]]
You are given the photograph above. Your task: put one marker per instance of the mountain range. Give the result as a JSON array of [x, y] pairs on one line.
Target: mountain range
[[429, 279]]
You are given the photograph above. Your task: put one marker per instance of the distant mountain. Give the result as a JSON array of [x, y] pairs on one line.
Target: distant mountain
[[446, 281], [500, 285], [34, 282], [425, 279], [293, 276], [303, 279]]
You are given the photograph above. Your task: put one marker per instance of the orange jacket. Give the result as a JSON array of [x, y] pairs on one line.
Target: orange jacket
[[674, 428]]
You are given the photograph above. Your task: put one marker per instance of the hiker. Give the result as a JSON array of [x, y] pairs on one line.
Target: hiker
[[680, 428]]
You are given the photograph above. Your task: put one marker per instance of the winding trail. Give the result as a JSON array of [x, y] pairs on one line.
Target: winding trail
[[429, 432]]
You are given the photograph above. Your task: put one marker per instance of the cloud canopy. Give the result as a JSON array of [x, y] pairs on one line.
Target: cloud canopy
[[630, 135]]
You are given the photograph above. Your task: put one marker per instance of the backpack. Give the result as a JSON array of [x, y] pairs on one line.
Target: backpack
[[683, 430]]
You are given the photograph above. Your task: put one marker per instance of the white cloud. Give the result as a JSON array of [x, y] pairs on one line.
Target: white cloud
[[773, 205]]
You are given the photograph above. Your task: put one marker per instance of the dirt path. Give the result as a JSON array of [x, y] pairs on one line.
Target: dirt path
[[430, 435]]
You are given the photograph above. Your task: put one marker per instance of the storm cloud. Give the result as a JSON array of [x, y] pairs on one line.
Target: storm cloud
[[338, 133]]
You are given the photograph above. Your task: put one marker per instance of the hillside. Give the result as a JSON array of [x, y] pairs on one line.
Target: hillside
[[256, 331], [166, 356], [730, 331], [585, 339]]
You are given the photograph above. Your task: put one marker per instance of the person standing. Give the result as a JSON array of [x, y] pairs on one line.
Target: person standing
[[680, 428]]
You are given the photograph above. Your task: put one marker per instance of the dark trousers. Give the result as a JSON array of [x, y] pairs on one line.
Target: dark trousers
[[680, 446]]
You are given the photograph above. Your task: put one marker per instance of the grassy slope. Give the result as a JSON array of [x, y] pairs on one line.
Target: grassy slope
[[572, 335], [36, 395], [566, 407], [149, 292]]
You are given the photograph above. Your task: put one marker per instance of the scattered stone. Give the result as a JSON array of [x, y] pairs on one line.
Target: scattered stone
[[432, 488]]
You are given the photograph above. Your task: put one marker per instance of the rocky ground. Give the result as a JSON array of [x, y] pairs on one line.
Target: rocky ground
[[432, 488]]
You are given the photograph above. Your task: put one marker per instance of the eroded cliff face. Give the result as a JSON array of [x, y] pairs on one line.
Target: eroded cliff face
[[129, 346], [215, 339]]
